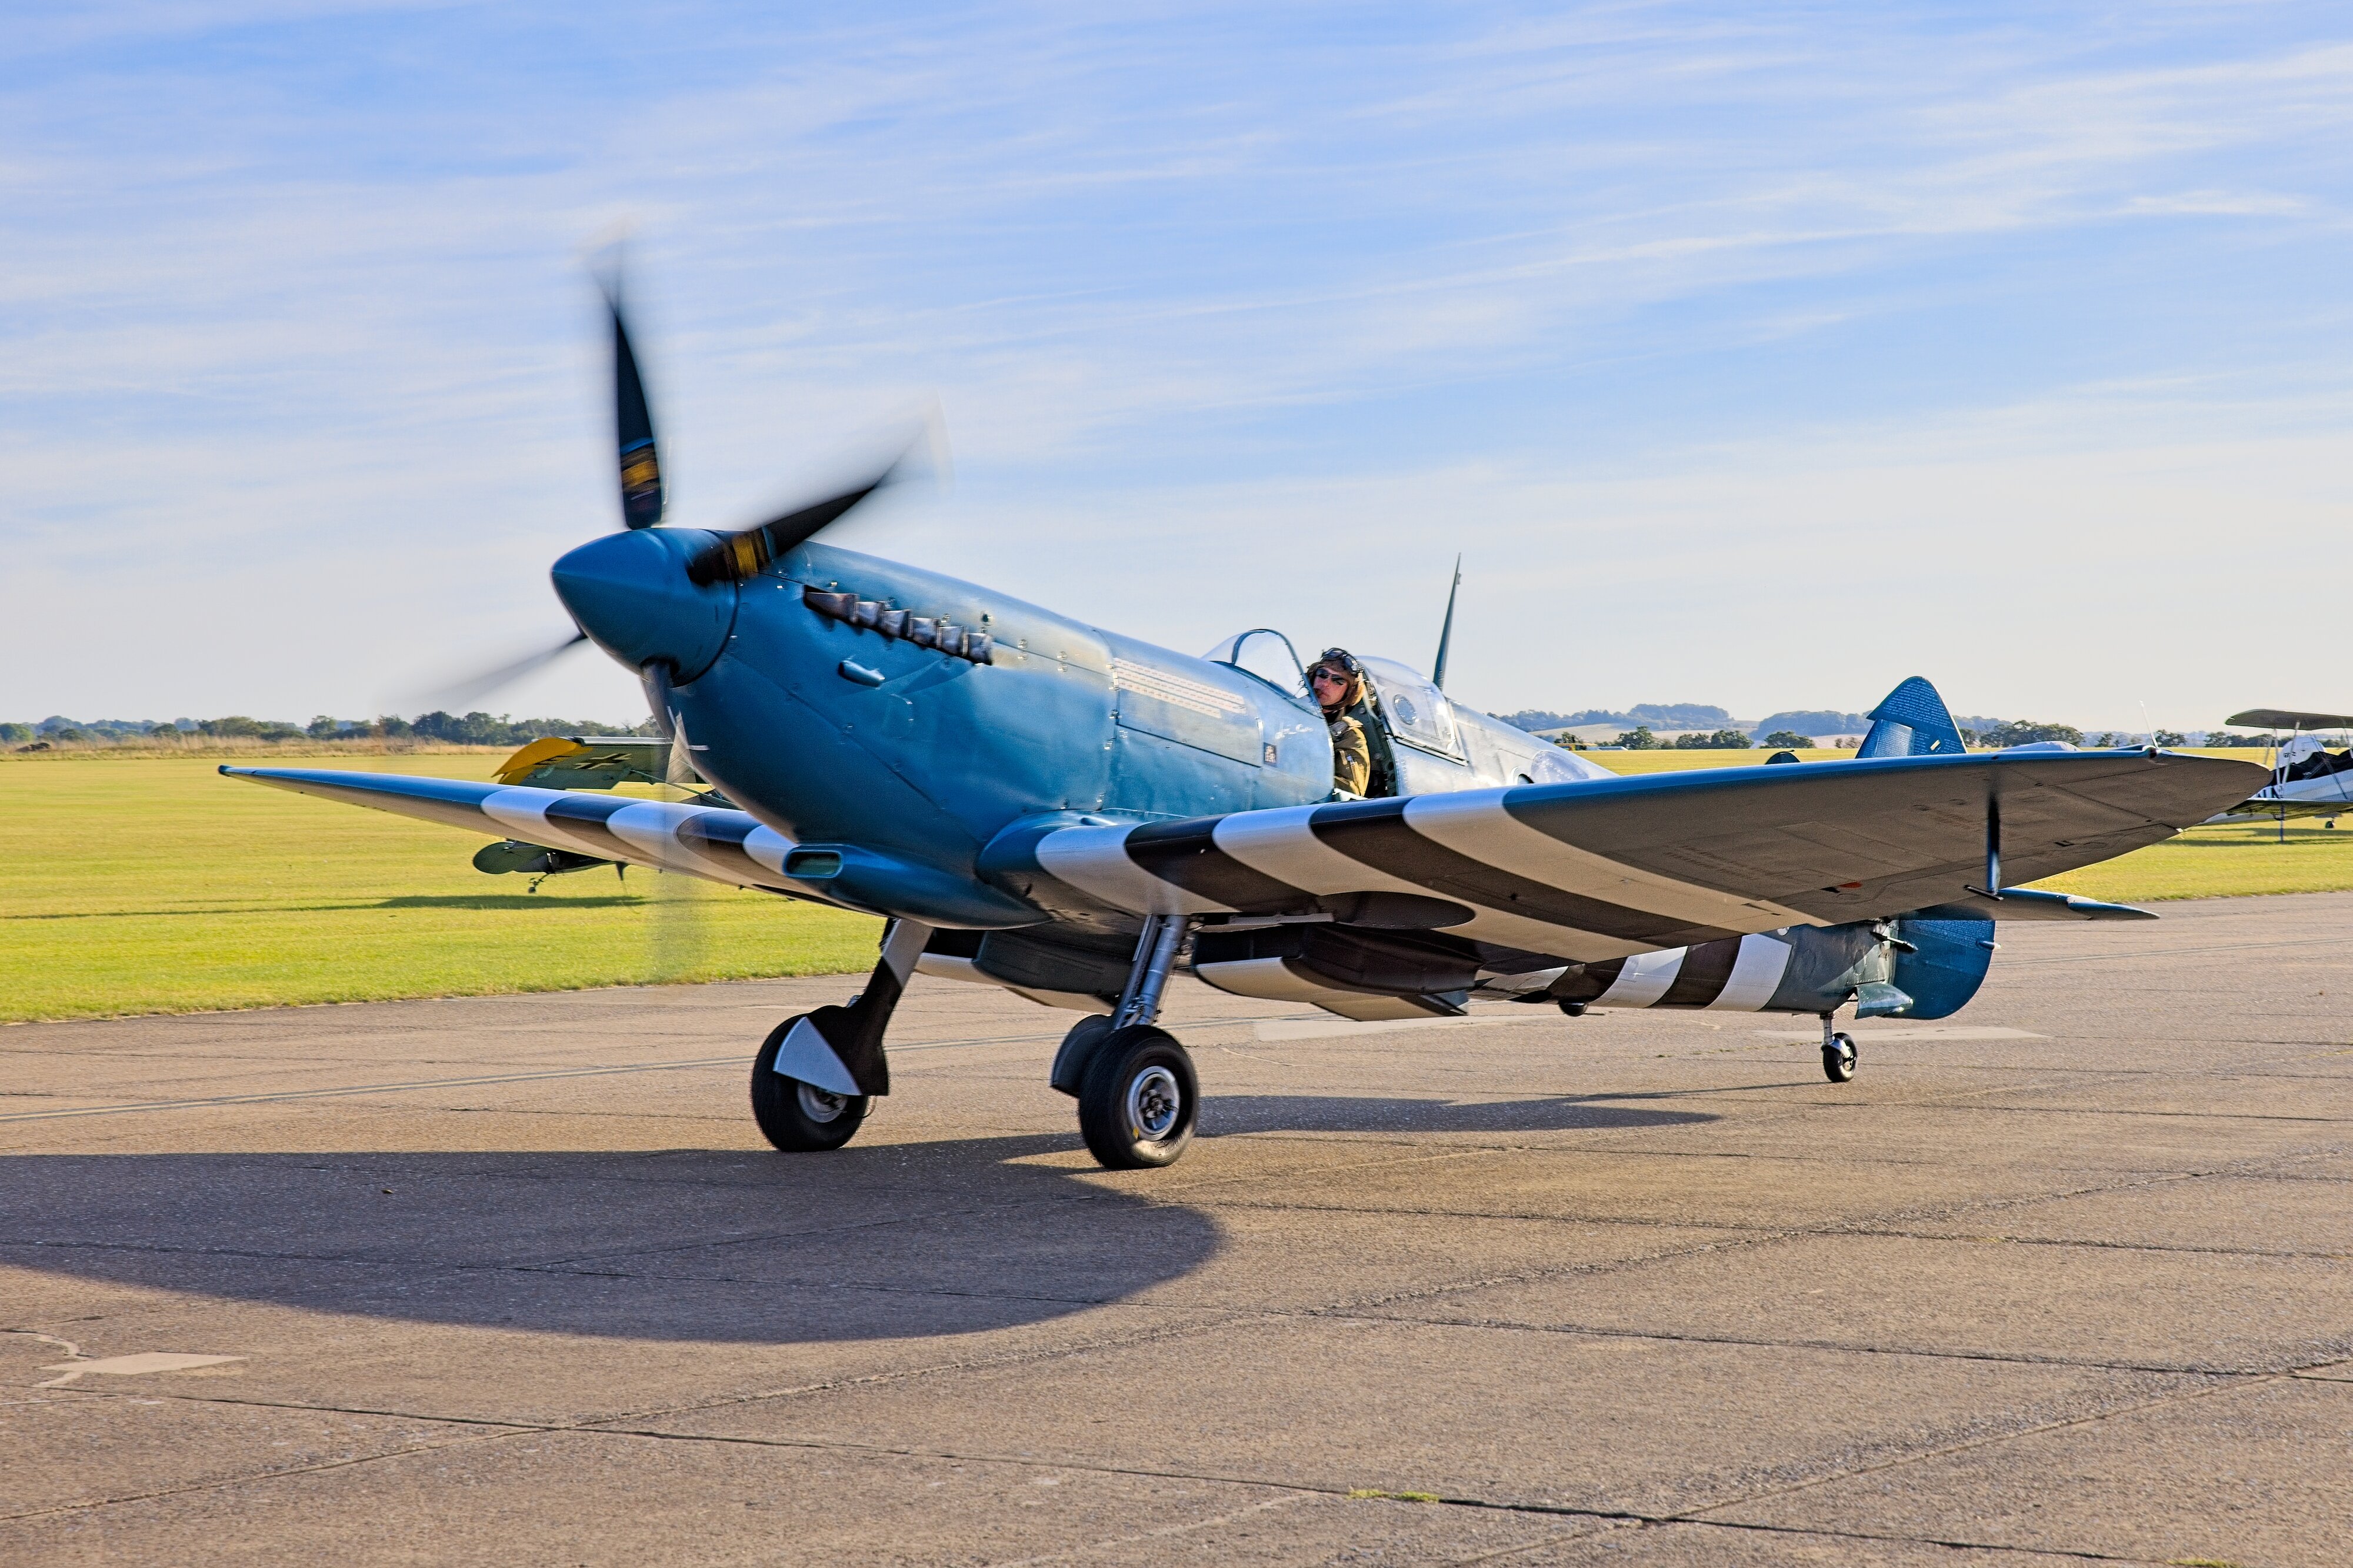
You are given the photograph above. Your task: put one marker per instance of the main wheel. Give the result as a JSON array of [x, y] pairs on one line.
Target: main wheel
[[799, 1118], [1838, 1058], [1137, 1106]]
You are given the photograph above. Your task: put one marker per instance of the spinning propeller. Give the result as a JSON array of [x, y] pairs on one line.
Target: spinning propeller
[[630, 592], [731, 557]]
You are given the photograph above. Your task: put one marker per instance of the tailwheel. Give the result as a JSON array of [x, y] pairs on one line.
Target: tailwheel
[[1137, 1106], [1838, 1058], [796, 1116]]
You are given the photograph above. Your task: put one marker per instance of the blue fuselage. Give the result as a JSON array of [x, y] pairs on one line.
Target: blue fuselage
[[832, 732], [941, 754]]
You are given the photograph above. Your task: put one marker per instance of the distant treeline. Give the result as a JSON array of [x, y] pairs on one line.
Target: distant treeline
[[479, 729], [1704, 716], [471, 729], [1974, 733], [1664, 715]]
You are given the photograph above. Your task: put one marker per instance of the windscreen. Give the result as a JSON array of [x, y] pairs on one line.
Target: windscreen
[[1265, 652]]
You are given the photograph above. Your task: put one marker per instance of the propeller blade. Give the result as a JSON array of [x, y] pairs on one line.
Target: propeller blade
[[736, 557], [678, 935], [476, 686], [654, 678], [680, 774], [633, 427]]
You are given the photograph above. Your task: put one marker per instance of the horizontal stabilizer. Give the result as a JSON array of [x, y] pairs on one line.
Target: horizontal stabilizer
[[2029, 904]]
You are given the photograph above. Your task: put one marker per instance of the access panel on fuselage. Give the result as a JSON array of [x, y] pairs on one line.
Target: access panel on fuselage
[[1193, 738]]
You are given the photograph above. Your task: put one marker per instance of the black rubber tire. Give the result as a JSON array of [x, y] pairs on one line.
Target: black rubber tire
[[1116, 1090], [797, 1121], [1838, 1058]]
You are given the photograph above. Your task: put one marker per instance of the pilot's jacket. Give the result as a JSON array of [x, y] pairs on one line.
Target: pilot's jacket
[[1352, 757]]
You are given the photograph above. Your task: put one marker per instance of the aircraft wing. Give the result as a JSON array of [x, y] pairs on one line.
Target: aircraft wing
[[2330, 795], [2290, 719], [1606, 869], [2264, 810], [718, 843]]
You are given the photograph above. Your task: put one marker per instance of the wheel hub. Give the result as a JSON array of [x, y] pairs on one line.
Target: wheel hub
[[1154, 1100], [819, 1106]]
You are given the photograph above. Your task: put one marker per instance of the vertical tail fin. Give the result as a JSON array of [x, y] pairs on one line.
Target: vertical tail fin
[[1912, 721]]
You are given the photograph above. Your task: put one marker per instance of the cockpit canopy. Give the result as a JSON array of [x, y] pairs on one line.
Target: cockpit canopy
[[1417, 712], [1437, 746], [1267, 654]]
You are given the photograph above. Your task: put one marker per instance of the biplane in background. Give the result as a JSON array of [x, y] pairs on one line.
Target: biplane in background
[[1036, 802], [2308, 778]]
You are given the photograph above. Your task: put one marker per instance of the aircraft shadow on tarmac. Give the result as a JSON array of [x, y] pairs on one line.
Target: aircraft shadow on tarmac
[[877, 1240]]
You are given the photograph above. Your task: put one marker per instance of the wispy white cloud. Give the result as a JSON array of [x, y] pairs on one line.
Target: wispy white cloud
[[1727, 307]]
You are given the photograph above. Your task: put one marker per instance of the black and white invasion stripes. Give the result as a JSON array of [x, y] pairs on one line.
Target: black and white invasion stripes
[[1514, 885], [1736, 975], [1748, 973], [716, 843]]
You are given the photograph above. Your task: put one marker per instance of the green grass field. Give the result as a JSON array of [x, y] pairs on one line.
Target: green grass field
[[143, 883], [151, 884], [1664, 761]]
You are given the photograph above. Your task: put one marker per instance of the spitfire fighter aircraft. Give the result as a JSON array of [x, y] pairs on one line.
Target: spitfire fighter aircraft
[[1049, 806]]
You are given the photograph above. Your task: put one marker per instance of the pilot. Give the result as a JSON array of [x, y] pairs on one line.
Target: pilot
[[1337, 683]]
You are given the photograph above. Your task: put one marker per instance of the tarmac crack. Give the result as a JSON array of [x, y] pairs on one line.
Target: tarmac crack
[[2219, 1386], [1838, 1347], [1164, 1532], [217, 1483], [1956, 1543], [1293, 1489]]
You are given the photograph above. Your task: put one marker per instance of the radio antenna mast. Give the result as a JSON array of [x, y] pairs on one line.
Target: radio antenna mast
[[1446, 633]]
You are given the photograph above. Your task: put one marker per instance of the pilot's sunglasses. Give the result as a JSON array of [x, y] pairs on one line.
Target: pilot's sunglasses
[[1334, 676]]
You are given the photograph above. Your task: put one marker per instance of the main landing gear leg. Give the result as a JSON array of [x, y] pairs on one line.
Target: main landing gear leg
[[1137, 1095], [818, 1073], [1838, 1053]]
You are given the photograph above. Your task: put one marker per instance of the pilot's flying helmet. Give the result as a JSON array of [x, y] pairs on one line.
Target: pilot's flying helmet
[[1341, 660]]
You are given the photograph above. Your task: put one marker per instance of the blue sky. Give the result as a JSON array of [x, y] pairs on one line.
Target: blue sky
[[1754, 355]]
